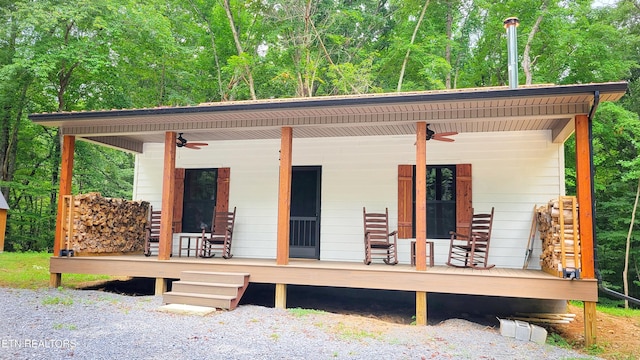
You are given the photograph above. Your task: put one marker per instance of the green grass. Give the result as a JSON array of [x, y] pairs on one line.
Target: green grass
[[349, 332], [613, 307], [65, 327], [57, 300], [299, 312], [30, 270], [557, 340]]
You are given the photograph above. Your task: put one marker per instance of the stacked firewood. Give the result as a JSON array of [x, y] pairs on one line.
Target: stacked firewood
[[559, 234], [106, 225]]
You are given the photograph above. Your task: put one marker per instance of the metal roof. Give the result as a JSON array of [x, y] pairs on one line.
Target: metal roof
[[539, 107]]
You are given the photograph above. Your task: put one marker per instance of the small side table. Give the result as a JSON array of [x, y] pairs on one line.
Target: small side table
[[429, 253], [186, 240]]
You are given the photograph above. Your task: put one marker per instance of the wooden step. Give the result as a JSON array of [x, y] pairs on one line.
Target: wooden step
[[217, 301], [205, 288], [214, 277]]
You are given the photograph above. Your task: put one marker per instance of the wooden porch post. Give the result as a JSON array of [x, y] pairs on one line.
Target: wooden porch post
[[66, 174], [284, 197], [168, 189], [584, 185], [421, 217], [284, 211], [421, 197]]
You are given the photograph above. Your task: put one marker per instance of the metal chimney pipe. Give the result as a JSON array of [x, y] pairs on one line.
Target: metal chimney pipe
[[512, 46]]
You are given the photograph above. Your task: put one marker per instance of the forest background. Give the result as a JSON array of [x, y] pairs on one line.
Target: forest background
[[78, 55]]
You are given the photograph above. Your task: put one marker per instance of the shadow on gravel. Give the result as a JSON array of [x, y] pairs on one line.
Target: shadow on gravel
[[386, 305]]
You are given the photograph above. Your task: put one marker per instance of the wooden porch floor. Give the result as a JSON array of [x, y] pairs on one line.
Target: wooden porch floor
[[533, 284]]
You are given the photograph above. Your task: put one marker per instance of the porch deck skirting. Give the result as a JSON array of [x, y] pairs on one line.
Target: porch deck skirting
[[533, 284]]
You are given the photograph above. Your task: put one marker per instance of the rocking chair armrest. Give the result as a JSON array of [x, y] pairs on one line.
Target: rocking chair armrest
[[393, 233], [458, 236]]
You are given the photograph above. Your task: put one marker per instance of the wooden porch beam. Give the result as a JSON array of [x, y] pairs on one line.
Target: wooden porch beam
[[284, 196], [584, 179], [421, 196], [168, 190], [66, 175]]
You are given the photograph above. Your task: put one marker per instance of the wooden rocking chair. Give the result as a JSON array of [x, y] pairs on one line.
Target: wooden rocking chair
[[472, 250], [220, 237], [377, 238], [152, 231]]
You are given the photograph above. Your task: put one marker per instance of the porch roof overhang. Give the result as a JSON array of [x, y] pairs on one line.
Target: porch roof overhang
[[538, 107]]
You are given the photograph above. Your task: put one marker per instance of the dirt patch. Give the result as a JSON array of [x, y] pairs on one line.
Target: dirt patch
[[618, 337]]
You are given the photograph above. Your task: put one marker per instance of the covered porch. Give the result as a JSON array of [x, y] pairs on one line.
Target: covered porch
[[483, 117]]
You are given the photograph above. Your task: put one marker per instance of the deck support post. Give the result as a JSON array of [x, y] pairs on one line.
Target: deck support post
[[3, 226], [421, 308], [66, 175], [168, 190], [161, 286], [421, 197], [590, 323], [55, 280], [281, 296], [584, 185], [284, 197]]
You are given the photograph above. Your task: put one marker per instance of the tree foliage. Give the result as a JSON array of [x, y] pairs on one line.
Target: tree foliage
[[86, 55]]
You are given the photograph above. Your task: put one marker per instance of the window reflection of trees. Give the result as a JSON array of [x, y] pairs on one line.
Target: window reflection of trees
[[199, 201], [441, 201]]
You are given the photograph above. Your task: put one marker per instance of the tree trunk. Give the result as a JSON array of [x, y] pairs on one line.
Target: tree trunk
[[625, 272], [236, 39], [526, 57], [207, 21], [413, 39], [447, 50]]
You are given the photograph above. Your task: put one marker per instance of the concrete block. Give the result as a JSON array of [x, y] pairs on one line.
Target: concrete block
[[183, 309], [523, 330], [538, 334], [507, 327]]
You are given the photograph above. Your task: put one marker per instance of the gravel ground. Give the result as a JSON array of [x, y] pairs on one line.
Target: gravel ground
[[83, 324]]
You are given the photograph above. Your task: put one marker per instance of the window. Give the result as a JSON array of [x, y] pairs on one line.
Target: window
[[199, 199], [441, 201], [449, 195]]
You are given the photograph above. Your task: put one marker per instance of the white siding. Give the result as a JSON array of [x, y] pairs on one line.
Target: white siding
[[512, 171]]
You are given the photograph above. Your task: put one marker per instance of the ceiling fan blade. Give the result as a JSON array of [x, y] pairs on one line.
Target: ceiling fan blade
[[447, 133], [195, 146], [439, 138]]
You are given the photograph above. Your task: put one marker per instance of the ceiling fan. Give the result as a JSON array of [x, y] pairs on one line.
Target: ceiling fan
[[182, 142], [440, 136]]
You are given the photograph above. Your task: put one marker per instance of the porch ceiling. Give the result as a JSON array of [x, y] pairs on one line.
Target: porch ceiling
[[541, 107]]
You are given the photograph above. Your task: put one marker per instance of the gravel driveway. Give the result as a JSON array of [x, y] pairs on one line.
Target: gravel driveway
[[82, 324]]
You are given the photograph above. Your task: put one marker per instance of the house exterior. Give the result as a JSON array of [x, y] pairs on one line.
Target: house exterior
[[511, 171], [310, 166]]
